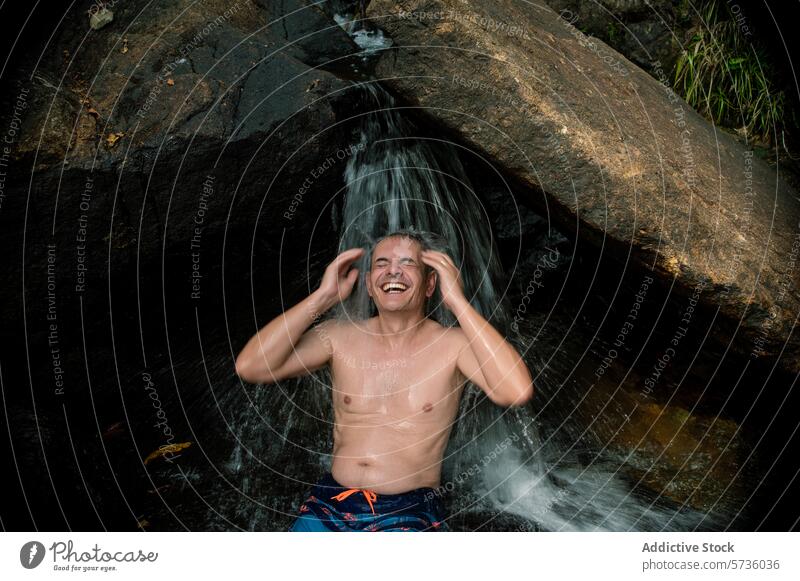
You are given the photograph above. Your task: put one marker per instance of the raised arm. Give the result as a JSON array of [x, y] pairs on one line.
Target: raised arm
[[286, 347], [485, 357]]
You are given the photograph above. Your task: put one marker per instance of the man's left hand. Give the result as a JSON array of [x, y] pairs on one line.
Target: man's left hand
[[450, 283]]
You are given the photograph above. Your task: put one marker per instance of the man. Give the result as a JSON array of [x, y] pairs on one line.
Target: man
[[397, 380]]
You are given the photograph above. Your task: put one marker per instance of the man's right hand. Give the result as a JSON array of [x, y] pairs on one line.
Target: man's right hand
[[284, 348], [337, 283]]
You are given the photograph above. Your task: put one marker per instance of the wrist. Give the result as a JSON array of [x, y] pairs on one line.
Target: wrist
[[319, 304], [459, 306]]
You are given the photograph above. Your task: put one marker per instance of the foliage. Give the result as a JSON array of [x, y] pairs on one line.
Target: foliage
[[726, 76]]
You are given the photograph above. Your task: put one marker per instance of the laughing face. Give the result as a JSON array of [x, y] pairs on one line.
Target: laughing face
[[398, 279]]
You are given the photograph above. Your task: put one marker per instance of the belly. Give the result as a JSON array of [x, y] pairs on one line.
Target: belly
[[386, 455]]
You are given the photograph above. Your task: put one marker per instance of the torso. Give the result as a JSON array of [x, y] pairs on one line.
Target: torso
[[394, 410]]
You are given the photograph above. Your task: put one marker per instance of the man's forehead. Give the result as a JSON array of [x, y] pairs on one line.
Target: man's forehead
[[396, 246]]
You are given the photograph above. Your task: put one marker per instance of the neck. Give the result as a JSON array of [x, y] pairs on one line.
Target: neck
[[398, 328]]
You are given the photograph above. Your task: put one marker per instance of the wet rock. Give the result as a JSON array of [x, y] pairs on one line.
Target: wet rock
[[594, 137], [673, 442], [691, 458], [99, 19], [309, 27]]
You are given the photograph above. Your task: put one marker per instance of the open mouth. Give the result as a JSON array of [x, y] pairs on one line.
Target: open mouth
[[394, 288]]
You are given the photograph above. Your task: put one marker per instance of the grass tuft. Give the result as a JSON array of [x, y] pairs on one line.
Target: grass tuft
[[725, 76]]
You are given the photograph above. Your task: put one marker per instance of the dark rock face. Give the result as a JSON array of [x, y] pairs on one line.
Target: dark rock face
[[309, 28], [606, 149], [171, 118]]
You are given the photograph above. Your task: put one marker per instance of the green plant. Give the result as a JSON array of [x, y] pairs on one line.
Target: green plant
[[724, 75], [612, 33]]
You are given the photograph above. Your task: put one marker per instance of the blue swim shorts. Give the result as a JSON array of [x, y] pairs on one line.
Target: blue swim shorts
[[330, 507]]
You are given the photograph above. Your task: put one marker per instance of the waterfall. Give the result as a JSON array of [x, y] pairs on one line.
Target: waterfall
[[398, 179]]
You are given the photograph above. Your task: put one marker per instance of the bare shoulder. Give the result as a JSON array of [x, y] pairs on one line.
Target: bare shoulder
[[452, 338], [338, 330], [329, 331]]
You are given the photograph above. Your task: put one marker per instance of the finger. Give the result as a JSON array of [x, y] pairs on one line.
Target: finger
[[343, 265], [445, 257], [345, 259], [347, 280], [341, 269], [430, 262], [345, 271], [450, 265], [442, 267], [440, 260], [439, 256], [350, 255], [449, 259]]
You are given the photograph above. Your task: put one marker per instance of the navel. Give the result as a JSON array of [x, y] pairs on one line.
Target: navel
[[347, 399], [427, 407]]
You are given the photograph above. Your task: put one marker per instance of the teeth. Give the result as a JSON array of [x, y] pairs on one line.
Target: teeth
[[394, 286]]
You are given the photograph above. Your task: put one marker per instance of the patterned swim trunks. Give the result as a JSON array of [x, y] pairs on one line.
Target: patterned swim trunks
[[330, 507]]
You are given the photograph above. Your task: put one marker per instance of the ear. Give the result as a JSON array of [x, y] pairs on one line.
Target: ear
[[368, 283], [432, 279]]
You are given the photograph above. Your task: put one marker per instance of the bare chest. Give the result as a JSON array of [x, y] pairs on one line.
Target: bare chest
[[371, 381]]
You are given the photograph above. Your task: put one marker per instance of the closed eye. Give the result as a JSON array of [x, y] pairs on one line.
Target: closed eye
[[405, 262]]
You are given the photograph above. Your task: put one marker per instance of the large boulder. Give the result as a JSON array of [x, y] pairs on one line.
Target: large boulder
[[609, 153]]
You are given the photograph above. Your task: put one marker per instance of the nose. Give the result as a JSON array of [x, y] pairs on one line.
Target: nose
[[394, 268]]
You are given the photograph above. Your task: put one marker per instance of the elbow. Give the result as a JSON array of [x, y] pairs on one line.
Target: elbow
[[245, 371], [519, 396], [523, 398], [520, 389]]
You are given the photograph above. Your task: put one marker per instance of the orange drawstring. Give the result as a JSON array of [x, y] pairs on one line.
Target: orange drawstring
[[368, 494]]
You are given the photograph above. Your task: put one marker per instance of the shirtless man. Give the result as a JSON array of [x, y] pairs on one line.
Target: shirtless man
[[397, 380]]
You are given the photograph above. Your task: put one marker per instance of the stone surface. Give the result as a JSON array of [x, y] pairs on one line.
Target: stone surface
[[101, 18], [609, 151], [122, 129], [646, 32]]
